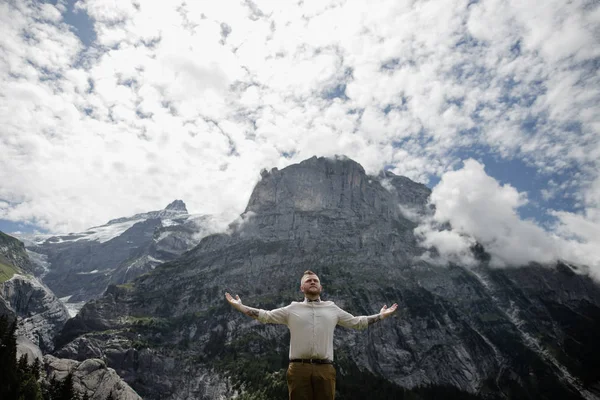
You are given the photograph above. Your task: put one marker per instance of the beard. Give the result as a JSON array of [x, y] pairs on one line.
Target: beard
[[313, 290]]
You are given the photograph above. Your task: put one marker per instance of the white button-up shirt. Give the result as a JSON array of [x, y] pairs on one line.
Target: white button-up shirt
[[311, 326]]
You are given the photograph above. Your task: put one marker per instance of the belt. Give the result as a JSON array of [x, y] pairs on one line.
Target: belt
[[311, 361]]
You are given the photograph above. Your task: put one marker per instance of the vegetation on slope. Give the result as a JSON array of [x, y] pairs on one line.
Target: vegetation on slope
[[7, 270]]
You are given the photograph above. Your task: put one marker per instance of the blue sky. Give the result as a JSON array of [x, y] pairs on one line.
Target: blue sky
[[23, 227], [113, 108], [78, 19]]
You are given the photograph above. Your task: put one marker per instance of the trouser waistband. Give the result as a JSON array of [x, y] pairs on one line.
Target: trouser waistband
[[311, 361]]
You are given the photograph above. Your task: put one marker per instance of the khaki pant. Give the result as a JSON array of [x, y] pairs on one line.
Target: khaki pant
[[311, 381]]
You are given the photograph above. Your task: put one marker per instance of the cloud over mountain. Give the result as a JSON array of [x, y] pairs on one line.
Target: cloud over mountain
[[191, 99], [472, 207]]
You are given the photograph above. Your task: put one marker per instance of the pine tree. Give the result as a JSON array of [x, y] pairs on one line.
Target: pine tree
[[51, 389], [3, 325], [23, 365], [36, 368], [29, 388], [27, 377], [8, 359], [19, 379], [67, 391]]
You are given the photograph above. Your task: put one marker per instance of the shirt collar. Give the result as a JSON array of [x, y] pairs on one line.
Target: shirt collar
[[306, 300]]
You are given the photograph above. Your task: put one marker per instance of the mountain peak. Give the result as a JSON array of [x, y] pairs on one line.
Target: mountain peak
[[318, 184], [177, 205], [339, 161]]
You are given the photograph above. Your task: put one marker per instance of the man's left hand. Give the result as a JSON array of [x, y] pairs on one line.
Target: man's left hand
[[387, 312]]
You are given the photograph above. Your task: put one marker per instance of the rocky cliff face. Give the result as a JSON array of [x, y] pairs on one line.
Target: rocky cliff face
[[40, 314], [526, 333], [80, 266]]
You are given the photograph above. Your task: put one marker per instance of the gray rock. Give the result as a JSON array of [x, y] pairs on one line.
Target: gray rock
[[91, 376], [28, 348], [40, 314]]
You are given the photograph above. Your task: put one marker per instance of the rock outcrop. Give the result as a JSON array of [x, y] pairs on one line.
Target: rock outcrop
[[40, 314], [91, 377]]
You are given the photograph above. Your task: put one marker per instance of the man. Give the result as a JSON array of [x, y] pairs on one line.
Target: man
[[311, 375]]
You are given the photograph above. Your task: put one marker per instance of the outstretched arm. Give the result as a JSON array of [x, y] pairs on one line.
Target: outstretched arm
[[347, 320], [237, 304], [383, 314]]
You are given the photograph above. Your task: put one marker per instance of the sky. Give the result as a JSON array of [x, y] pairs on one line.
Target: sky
[[110, 108]]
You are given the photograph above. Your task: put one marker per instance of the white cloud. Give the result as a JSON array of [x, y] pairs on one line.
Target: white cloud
[[191, 99], [480, 210]]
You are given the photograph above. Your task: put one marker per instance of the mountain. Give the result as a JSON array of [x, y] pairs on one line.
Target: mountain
[[527, 332], [40, 314], [39, 317], [80, 266]]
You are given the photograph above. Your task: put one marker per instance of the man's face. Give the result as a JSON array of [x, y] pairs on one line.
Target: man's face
[[311, 285]]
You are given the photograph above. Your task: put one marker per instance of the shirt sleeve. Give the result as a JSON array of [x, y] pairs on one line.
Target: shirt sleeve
[[276, 316], [348, 320]]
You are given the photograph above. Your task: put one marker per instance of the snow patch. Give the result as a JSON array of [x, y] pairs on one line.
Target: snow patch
[[169, 222], [105, 233]]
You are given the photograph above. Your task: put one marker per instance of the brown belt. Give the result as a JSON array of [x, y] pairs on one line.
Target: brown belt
[[311, 361]]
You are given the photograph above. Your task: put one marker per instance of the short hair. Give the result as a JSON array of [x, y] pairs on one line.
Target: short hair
[[305, 274]]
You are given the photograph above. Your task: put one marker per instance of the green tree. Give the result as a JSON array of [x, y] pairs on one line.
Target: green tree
[[36, 368], [8, 359], [23, 365], [51, 389], [19, 379], [29, 388], [66, 390]]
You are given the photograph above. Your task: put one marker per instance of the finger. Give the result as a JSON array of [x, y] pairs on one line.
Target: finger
[[237, 297]]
